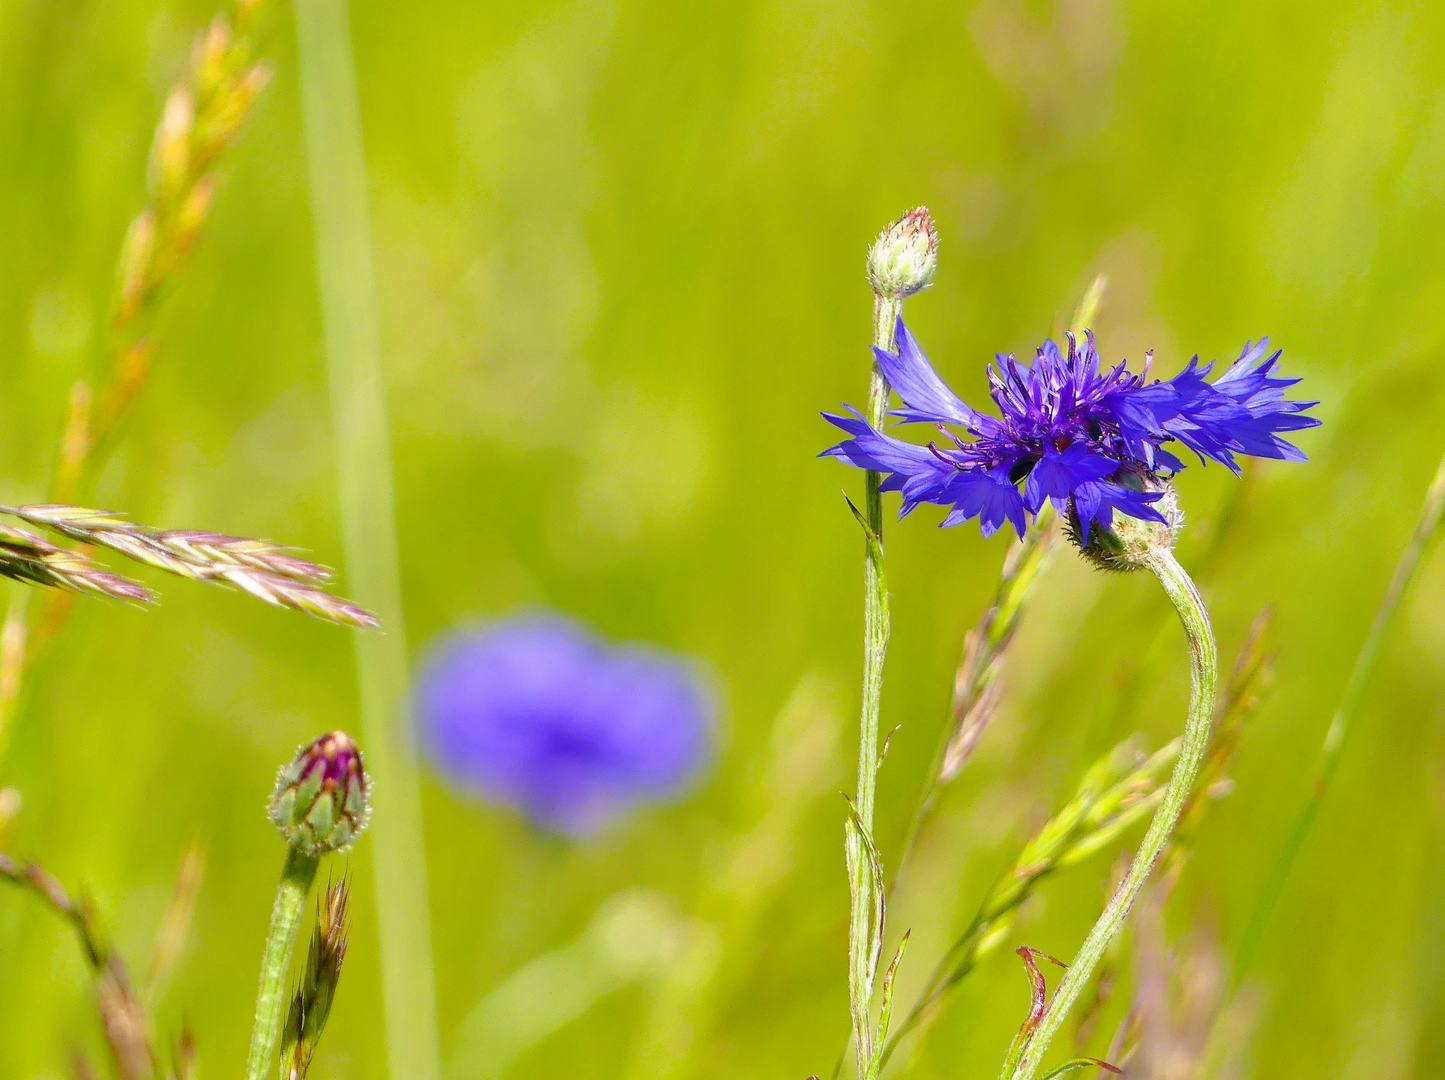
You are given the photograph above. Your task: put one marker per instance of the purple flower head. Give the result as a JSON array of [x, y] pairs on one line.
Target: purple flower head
[[538, 713], [1069, 433]]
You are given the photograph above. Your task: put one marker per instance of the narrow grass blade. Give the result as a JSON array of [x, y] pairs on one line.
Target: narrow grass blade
[[346, 275]]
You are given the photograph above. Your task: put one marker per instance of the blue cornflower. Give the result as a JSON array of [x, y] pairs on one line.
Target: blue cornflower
[[1070, 433], [538, 713]]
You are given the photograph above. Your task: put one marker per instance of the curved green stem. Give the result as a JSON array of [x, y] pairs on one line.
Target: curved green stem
[[286, 913], [1203, 669], [1425, 529]]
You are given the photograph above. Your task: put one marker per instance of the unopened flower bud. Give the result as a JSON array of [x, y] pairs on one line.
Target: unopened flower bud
[[322, 799], [903, 258], [1129, 542]]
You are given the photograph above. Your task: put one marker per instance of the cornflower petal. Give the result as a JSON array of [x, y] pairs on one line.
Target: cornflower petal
[[1057, 474], [1096, 500], [986, 495], [1068, 431], [927, 398], [917, 471], [869, 448]]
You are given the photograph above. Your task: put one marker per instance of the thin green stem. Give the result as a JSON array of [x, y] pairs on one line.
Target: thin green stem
[[875, 610], [864, 931], [286, 914], [1426, 528], [1203, 669], [345, 272]]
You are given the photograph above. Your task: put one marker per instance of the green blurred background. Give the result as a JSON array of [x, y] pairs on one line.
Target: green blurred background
[[620, 253]]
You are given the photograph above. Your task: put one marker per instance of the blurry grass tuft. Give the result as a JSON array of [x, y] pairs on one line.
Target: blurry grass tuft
[[976, 686], [1118, 790], [122, 1013], [176, 923], [202, 116]]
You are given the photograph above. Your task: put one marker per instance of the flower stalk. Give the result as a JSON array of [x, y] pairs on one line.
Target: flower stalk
[[901, 262], [1203, 663], [868, 909], [297, 874], [321, 804]]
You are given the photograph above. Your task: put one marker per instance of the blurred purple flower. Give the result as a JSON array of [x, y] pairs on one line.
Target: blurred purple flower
[[1070, 433], [539, 713]]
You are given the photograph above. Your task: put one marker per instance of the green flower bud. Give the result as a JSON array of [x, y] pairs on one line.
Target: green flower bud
[[1128, 544], [903, 258], [322, 799]]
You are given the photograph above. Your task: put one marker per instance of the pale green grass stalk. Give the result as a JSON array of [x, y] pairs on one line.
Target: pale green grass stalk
[[1426, 529], [347, 282], [1203, 665]]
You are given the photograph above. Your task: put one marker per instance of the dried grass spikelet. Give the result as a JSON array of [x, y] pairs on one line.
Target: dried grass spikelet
[[311, 1004], [24, 556], [268, 571], [203, 114], [123, 1015]]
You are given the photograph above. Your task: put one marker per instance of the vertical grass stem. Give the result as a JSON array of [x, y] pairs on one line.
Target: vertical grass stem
[[346, 276]]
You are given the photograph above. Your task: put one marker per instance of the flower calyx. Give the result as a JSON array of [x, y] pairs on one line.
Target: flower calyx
[[902, 260], [322, 800]]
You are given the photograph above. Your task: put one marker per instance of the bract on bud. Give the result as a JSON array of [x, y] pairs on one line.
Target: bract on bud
[[322, 799], [1127, 543], [903, 258]]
